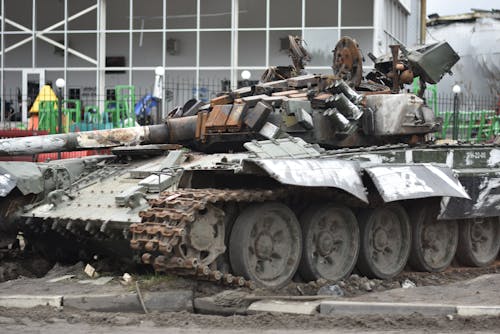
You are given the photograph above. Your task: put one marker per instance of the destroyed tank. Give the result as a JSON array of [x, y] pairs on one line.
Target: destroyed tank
[[303, 177]]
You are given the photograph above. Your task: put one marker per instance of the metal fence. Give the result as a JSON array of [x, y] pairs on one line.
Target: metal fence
[[180, 90], [177, 92], [478, 116]]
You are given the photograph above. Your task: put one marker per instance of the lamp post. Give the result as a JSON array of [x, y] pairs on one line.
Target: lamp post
[[456, 90], [158, 94], [245, 75], [60, 83]]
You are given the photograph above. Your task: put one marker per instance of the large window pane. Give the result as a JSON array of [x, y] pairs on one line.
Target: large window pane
[[48, 55], [51, 76], [117, 14], [84, 84], [181, 14], [84, 43], [320, 43], [364, 37], [252, 14], [181, 49], [146, 49], [112, 80], [215, 48], [20, 11], [321, 13], [20, 56], [84, 22], [353, 16], [48, 13], [254, 77], [180, 86], [11, 85], [211, 83], [278, 47], [252, 48], [148, 14], [215, 14], [286, 13], [143, 82], [117, 49], [325, 71]]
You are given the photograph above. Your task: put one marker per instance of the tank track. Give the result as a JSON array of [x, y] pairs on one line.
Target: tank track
[[163, 239]]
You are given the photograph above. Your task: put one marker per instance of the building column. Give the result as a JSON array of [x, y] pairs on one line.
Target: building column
[[378, 30], [101, 54], [234, 42], [2, 65]]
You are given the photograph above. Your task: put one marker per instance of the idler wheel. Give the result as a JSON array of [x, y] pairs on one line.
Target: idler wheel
[[265, 244], [385, 241], [434, 242], [479, 241], [331, 242]]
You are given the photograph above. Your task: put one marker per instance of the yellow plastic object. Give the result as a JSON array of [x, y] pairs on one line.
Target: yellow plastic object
[[45, 94]]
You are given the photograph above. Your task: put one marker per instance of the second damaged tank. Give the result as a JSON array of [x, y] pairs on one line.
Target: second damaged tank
[[271, 198]]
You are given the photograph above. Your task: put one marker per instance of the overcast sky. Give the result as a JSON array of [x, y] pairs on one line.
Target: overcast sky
[[451, 7]]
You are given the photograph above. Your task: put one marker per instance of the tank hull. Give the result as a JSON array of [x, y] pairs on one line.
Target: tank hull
[[182, 220]]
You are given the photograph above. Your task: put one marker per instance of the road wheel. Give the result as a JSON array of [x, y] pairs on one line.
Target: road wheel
[[434, 242], [331, 242], [385, 241], [265, 244], [479, 241]]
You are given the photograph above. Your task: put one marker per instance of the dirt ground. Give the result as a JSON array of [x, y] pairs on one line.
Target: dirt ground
[[47, 320], [472, 286], [32, 274]]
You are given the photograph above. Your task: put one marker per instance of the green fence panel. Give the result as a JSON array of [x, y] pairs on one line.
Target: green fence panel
[[47, 116]]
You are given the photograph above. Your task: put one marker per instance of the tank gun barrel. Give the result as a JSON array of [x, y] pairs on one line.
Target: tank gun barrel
[[174, 131]]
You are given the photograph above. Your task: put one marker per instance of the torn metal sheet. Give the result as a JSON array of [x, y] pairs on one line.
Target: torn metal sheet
[[484, 190], [7, 183], [332, 173], [402, 182], [282, 148], [25, 175]]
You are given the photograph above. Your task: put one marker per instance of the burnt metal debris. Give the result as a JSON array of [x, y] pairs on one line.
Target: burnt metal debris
[[308, 174]]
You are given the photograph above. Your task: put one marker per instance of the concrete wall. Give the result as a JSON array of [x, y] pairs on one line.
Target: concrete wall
[[478, 45]]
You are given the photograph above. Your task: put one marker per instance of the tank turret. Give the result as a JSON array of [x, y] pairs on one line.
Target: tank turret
[[322, 110]]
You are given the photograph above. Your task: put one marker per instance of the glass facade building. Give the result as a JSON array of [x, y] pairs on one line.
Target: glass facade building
[[97, 44]]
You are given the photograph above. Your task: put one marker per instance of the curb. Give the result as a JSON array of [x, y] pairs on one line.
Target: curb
[[182, 300], [366, 308], [207, 305], [343, 308], [169, 301], [283, 306], [470, 311], [353, 308], [27, 301]]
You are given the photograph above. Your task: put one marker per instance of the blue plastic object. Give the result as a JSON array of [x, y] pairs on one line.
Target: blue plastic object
[[145, 105], [144, 109]]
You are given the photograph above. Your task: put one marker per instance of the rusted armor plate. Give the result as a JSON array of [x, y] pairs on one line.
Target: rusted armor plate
[[217, 118]]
